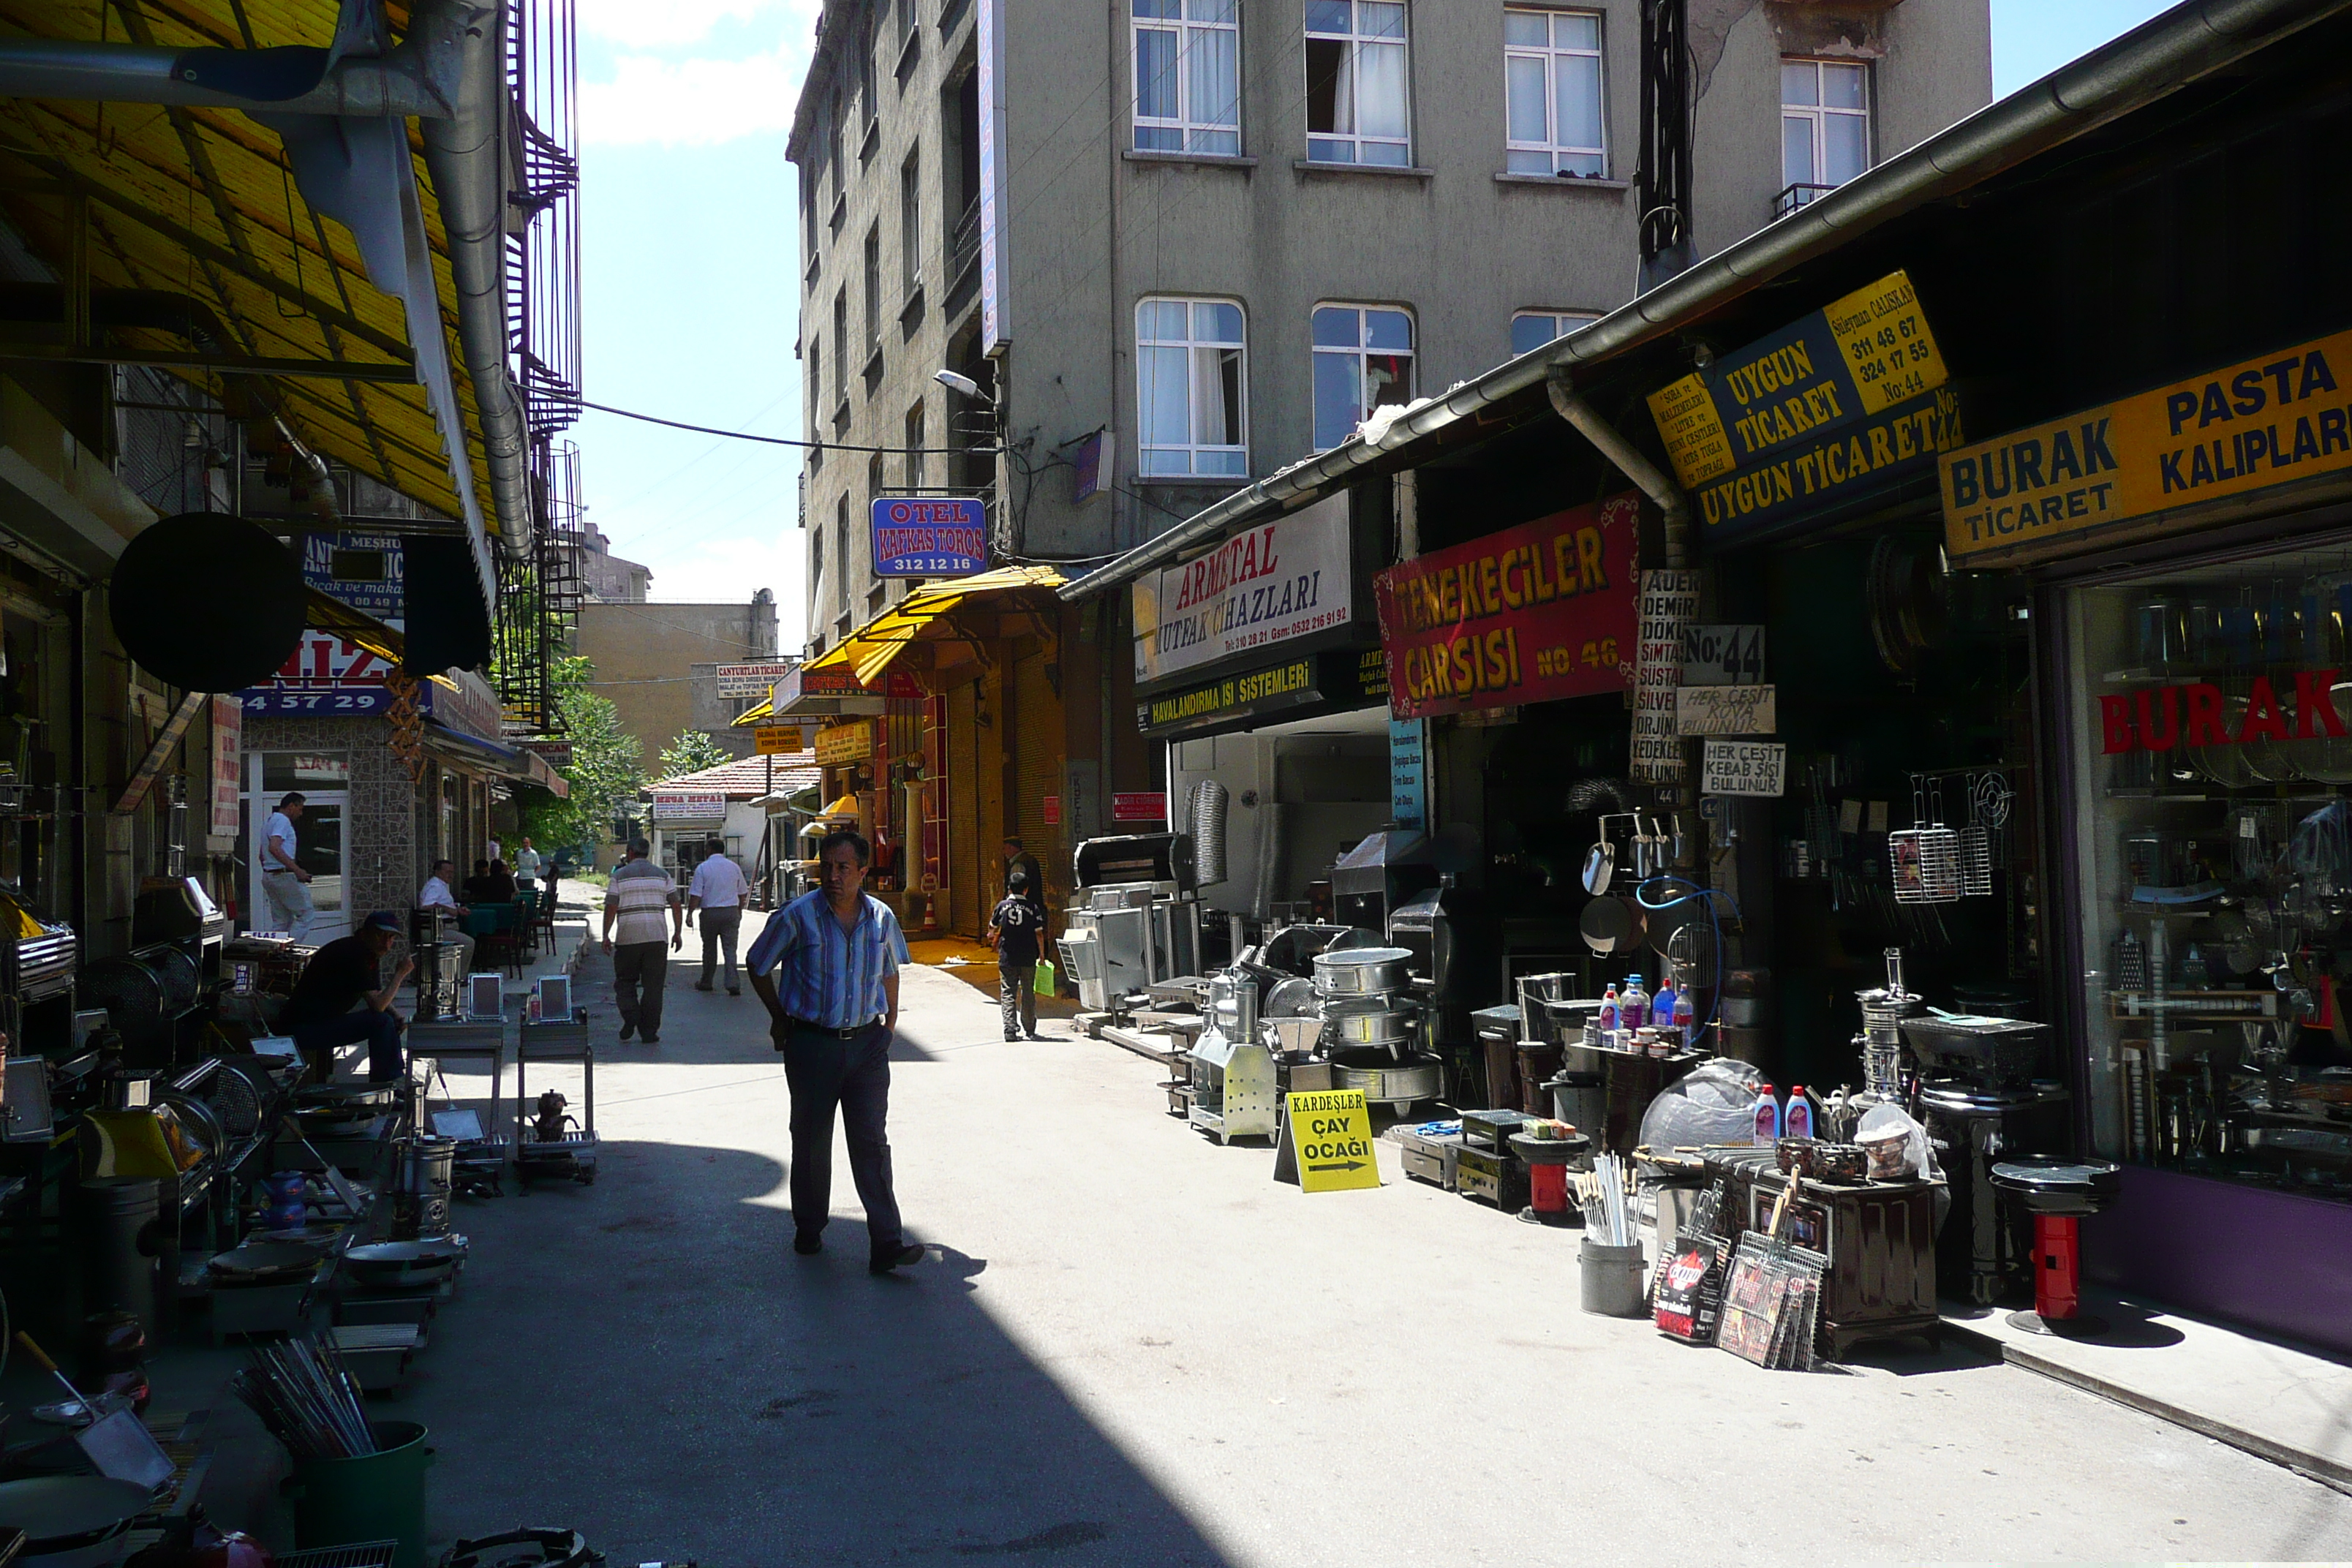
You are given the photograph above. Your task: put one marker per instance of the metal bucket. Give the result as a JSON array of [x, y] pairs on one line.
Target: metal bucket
[[1536, 1021], [1611, 1283]]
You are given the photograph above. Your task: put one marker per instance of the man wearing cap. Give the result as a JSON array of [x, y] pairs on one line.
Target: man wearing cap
[[325, 1010]]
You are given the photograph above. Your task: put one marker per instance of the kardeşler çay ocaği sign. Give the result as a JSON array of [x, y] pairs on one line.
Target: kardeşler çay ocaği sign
[[1541, 611], [1827, 411], [2268, 420], [1289, 578], [928, 536]]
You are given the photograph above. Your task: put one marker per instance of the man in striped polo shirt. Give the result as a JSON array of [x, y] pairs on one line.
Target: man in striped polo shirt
[[635, 901], [832, 1011]]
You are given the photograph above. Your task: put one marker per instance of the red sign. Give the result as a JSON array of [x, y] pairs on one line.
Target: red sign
[[1053, 811], [1139, 806], [1541, 611], [2159, 717], [228, 764]]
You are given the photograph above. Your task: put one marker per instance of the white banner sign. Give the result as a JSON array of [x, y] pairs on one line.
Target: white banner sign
[[1745, 767], [750, 680], [1281, 580], [1669, 602], [1727, 710], [683, 806]]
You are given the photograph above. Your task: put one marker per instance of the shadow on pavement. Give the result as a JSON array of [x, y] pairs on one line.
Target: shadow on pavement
[[647, 1362]]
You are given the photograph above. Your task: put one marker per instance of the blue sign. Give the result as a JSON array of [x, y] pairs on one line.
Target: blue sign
[[929, 536], [1409, 772]]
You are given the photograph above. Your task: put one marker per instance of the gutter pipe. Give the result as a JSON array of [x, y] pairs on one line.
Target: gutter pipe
[[2144, 64], [1670, 500]]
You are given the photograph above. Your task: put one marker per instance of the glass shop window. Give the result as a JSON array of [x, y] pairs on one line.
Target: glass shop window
[[2214, 759]]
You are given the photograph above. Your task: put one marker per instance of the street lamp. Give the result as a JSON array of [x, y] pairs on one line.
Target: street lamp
[[963, 385]]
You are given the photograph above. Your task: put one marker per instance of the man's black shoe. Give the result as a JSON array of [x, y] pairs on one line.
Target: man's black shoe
[[628, 1031], [807, 1243], [1012, 1039], [897, 1258], [734, 991], [702, 985], [653, 1039]]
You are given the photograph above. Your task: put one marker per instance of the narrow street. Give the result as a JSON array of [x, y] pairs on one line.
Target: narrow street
[[1131, 1346]]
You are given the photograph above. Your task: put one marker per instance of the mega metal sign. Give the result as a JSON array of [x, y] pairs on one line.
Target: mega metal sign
[[1827, 410], [1282, 580], [928, 536], [1541, 611], [2268, 420]]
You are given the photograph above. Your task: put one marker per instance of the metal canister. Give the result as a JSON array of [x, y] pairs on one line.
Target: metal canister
[[421, 1206]]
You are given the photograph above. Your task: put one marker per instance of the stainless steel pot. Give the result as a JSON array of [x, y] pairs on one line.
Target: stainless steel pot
[[1385, 1081], [1361, 970], [1386, 1028]]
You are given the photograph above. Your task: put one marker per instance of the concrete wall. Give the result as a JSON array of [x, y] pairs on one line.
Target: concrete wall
[[1092, 228], [644, 654]]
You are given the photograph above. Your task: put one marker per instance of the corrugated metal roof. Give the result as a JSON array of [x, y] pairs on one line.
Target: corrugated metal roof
[[198, 202]]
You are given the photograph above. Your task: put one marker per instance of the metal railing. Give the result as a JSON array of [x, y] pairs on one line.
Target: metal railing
[[1792, 197]]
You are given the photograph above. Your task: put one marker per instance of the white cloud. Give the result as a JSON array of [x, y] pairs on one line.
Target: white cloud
[[692, 102], [633, 24]]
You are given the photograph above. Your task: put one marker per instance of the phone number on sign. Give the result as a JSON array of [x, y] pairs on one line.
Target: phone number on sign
[[932, 565], [318, 701]]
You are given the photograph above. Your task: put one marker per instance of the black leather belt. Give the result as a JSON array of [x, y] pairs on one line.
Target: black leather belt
[[803, 1026]]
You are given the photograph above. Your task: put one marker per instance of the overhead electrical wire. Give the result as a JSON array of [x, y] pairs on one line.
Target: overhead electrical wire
[[788, 440]]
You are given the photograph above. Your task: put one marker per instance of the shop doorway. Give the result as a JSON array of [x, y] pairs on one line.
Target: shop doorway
[[323, 780]]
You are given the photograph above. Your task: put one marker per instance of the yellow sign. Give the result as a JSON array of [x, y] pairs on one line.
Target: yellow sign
[[777, 739], [2268, 420], [1858, 356], [839, 743], [1331, 1134]]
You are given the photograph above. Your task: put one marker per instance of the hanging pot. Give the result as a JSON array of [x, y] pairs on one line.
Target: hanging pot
[[1610, 925]]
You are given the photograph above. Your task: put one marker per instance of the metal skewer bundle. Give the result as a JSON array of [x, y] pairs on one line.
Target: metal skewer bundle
[[307, 1399], [1605, 1194]]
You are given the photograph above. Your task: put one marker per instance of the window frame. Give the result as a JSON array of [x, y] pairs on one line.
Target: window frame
[[1552, 148], [1187, 130], [911, 223], [1357, 41], [1191, 448], [1360, 355], [918, 460], [1798, 193], [1537, 313]]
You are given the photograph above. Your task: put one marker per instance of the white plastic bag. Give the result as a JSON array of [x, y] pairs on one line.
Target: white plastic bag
[[1714, 1104], [1882, 1123]]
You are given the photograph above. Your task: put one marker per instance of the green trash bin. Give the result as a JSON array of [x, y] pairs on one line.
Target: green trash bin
[[377, 1497]]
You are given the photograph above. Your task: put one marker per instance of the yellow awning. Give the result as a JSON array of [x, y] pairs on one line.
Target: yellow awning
[[328, 614], [869, 651], [760, 714]]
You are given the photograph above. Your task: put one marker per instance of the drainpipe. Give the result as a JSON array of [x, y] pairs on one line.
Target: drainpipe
[[1670, 500], [465, 154]]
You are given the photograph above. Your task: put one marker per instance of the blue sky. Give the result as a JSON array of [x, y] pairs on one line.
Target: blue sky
[[689, 270]]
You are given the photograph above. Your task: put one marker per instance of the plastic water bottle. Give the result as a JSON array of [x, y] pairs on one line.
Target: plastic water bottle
[[1797, 1116], [1633, 1004], [1685, 1020], [1662, 1001], [1609, 1016], [1767, 1118]]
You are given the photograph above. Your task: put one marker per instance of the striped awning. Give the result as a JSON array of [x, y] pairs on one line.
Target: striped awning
[[925, 614]]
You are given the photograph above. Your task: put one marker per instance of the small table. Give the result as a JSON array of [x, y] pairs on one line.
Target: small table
[[575, 1154], [457, 1040]]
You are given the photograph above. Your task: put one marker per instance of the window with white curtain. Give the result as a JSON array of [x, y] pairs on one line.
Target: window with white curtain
[[1533, 328], [1358, 97], [1191, 387], [1824, 125], [1188, 58], [1554, 118], [1363, 361]]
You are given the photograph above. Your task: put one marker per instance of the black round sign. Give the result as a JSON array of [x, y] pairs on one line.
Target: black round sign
[[208, 602]]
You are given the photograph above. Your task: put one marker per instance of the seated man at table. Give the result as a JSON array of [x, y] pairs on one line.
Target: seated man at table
[[474, 884], [435, 895], [343, 996], [498, 885]]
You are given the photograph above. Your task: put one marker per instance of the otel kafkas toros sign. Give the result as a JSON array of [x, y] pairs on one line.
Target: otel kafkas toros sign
[[1541, 611]]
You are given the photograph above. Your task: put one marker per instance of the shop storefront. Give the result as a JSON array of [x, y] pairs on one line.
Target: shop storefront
[[2204, 721]]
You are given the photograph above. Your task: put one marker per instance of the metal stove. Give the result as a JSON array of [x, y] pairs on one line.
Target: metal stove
[[1233, 1093], [1134, 919]]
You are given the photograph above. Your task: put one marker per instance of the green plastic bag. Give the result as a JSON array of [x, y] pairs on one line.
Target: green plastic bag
[[1046, 978]]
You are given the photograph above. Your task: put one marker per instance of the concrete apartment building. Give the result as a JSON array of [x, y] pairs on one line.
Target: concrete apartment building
[[657, 663], [1209, 236]]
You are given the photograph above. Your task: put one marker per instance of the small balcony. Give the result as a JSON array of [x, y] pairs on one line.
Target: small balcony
[[1792, 197]]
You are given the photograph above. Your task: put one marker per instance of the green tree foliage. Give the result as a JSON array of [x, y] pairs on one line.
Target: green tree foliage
[[606, 771], [690, 752]]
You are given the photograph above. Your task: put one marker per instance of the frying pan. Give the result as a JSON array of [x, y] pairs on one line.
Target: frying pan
[[1610, 924], [72, 1519]]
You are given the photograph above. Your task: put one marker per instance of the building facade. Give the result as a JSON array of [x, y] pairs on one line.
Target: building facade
[[660, 664], [1163, 250]]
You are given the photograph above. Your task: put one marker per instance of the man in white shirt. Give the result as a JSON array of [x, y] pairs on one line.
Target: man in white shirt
[[436, 895], [527, 865], [492, 852], [717, 894], [285, 886]]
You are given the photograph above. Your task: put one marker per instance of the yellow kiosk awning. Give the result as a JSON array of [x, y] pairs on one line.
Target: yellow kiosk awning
[[869, 651]]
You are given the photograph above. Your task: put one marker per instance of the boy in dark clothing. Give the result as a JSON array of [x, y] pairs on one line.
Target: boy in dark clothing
[[1017, 928]]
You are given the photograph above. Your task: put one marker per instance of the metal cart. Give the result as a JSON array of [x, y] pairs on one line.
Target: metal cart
[[572, 1155]]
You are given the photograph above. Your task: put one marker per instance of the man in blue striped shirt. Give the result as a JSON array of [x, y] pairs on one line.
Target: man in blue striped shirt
[[832, 1013]]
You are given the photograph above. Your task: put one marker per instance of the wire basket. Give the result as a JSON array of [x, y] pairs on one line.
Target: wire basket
[[1989, 798], [1925, 855]]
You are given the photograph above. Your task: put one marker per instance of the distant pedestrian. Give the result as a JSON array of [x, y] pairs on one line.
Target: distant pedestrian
[[526, 865], [831, 1011], [635, 901], [1017, 929], [285, 886], [716, 895]]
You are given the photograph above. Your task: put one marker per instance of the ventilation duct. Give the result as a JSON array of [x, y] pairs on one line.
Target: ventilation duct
[[1206, 808]]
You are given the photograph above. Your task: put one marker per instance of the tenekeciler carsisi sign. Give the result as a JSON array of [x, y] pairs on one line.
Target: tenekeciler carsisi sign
[[1540, 611], [1285, 579], [2268, 420]]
